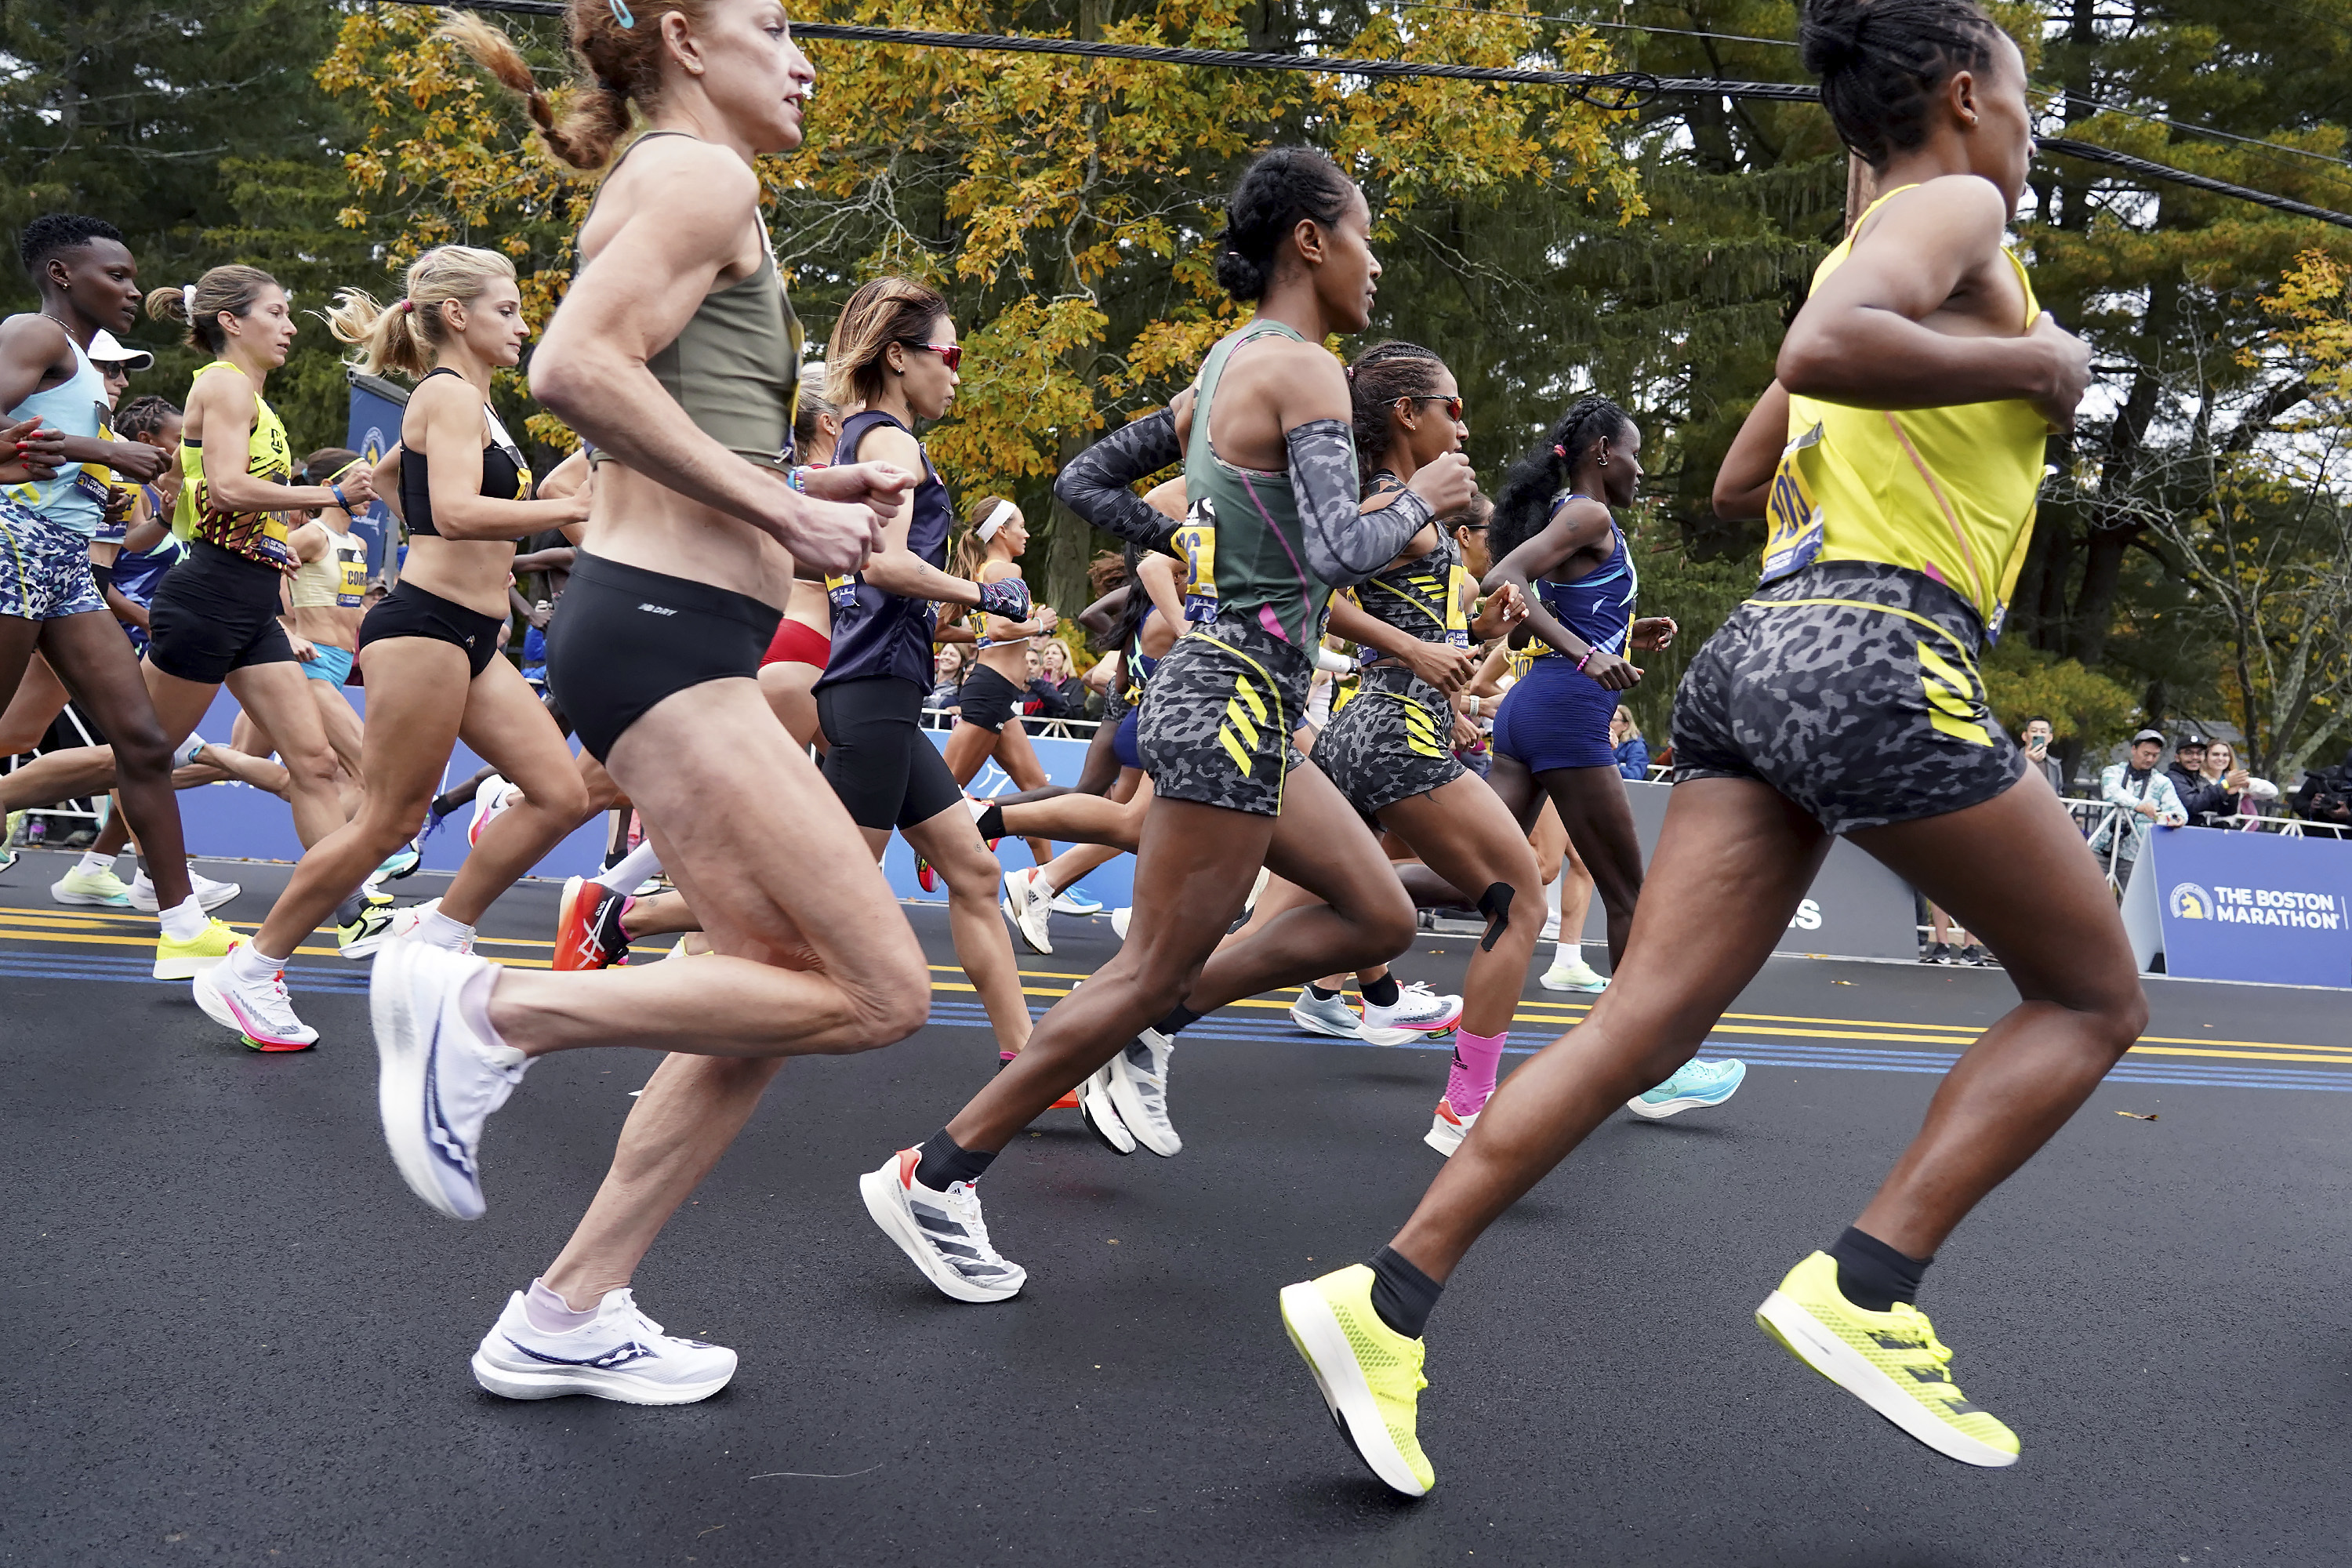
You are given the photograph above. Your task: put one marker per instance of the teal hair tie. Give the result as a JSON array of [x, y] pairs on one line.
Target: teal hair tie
[[622, 14]]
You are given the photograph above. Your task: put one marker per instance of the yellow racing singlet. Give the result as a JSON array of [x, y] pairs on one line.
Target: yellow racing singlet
[[258, 536], [1947, 492]]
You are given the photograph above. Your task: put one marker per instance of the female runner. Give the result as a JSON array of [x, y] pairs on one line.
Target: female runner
[[324, 592], [677, 355], [1920, 380], [790, 668], [1271, 469], [429, 652], [987, 724]]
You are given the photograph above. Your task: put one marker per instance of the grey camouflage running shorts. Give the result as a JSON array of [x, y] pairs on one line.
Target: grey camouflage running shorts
[[1217, 716], [44, 569], [1393, 741], [1851, 687]]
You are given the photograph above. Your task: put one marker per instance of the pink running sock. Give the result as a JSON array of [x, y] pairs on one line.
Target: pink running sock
[[1475, 1059]]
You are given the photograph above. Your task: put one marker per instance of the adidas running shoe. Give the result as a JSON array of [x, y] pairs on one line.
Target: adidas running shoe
[[186, 960], [1027, 904], [1694, 1084], [1370, 1376], [1448, 1127], [257, 1012], [1326, 1016], [210, 895], [1138, 1091], [439, 1076], [1890, 1360], [620, 1354], [101, 889], [1101, 1116], [367, 930], [942, 1233], [1417, 1011], [588, 934]]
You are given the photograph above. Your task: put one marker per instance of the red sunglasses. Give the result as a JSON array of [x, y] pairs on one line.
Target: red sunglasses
[[951, 354]]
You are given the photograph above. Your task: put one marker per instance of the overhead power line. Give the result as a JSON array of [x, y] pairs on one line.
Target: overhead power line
[[1616, 91]]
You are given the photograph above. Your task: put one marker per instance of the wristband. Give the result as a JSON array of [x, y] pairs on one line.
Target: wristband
[[337, 491], [797, 479], [1589, 651]]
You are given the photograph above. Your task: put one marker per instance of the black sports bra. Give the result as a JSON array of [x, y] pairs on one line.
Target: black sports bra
[[504, 475]]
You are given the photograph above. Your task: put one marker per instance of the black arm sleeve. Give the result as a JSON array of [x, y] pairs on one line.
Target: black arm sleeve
[[1095, 485], [1344, 545]]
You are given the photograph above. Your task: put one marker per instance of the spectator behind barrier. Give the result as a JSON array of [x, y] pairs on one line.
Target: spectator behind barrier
[[947, 674], [2038, 735], [1625, 740], [2325, 801], [2247, 795], [2147, 798], [2202, 798]]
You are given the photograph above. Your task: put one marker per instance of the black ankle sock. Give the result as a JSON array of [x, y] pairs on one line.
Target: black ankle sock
[[1402, 1295], [1381, 992], [1872, 1274], [1318, 992], [1178, 1017], [944, 1162], [990, 823]]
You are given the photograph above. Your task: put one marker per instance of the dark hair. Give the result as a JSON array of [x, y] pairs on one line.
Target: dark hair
[[143, 417], [1881, 60], [2039, 719], [52, 232], [1281, 185], [1382, 375], [327, 462], [1523, 505]]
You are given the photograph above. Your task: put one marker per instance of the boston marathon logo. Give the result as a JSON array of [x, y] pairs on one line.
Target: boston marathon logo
[[2257, 907]]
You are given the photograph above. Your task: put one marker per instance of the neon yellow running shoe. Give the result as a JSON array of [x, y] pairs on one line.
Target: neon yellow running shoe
[[1370, 1373], [186, 960], [1892, 1362]]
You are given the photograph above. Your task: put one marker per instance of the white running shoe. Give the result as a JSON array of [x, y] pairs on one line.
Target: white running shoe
[[1077, 901], [1326, 1016], [1257, 890], [1101, 1116], [210, 895], [1027, 905], [406, 919], [620, 1354], [100, 887], [1446, 1129], [1119, 918], [942, 1233], [438, 1078], [1573, 974], [1550, 931], [1417, 1011], [1138, 1091], [258, 1011], [491, 799]]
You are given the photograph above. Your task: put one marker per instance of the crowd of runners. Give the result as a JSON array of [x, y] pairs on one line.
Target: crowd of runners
[[1347, 683]]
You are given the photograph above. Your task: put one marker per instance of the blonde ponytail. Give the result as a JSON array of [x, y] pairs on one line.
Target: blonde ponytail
[[405, 337]]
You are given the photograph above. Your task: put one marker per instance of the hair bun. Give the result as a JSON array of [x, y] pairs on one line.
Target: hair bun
[[1829, 35]]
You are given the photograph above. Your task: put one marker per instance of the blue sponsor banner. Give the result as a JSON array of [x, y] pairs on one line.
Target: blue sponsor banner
[[2250, 906], [376, 406]]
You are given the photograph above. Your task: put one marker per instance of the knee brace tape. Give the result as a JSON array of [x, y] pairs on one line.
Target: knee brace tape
[[1494, 903]]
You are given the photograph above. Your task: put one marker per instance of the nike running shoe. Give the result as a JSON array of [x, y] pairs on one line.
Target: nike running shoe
[[401, 861], [620, 1354], [1119, 918], [210, 895], [408, 917], [1369, 1373], [257, 1012], [1326, 1016], [1101, 1117], [1027, 904], [186, 960], [1573, 974], [439, 1073], [100, 887], [1417, 1011], [491, 803], [1138, 1091], [1694, 1084], [1890, 1360], [1447, 1128], [16, 827], [1077, 901], [588, 934], [942, 1233], [366, 930]]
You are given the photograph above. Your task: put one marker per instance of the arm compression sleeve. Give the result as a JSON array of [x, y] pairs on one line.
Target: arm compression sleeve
[[1344, 545], [1095, 484]]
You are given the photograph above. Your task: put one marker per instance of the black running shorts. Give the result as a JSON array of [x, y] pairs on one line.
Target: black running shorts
[[987, 699], [1218, 715], [214, 612], [1851, 687], [624, 638], [408, 611], [878, 759]]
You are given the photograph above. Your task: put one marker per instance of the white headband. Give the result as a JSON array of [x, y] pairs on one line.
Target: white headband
[[188, 301], [1006, 511]]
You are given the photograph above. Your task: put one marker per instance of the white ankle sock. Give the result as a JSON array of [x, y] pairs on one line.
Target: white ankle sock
[[632, 869], [92, 862], [185, 923], [248, 962], [442, 931], [550, 1313]]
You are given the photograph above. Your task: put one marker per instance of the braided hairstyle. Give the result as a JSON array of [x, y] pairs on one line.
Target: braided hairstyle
[[1524, 504], [1881, 62], [622, 64], [143, 415], [1382, 374], [1281, 186]]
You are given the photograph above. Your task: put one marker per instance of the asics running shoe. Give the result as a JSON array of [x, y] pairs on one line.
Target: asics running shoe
[[1027, 905], [1138, 1091], [1077, 901], [1447, 1128], [1573, 974], [1890, 1360], [588, 934], [186, 960], [1369, 1373], [1326, 1016], [367, 930], [100, 887], [1417, 1011], [439, 1077], [942, 1233], [210, 895], [620, 1354], [258, 1011], [1694, 1084], [491, 800], [1101, 1116]]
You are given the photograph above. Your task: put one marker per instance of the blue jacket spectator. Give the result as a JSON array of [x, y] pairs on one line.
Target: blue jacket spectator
[[1625, 740]]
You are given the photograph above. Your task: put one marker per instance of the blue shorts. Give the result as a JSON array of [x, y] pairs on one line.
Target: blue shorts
[[44, 569], [1556, 717], [332, 665], [1122, 741]]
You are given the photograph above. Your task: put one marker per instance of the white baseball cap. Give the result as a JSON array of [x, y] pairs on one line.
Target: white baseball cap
[[105, 350]]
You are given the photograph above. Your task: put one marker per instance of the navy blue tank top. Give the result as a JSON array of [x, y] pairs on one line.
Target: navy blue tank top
[[1599, 605], [881, 634]]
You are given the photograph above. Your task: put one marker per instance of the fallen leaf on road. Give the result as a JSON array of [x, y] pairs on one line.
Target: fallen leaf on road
[[2136, 1116]]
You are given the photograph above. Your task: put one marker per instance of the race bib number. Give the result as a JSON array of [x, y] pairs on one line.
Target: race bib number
[[1458, 588], [1795, 519], [1198, 541], [842, 592]]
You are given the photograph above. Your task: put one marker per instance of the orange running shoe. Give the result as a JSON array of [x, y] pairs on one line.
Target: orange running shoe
[[588, 934]]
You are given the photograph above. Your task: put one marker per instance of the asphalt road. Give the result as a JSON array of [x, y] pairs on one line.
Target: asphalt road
[[240, 1340]]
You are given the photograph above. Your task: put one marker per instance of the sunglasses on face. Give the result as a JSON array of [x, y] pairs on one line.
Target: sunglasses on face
[[1452, 405], [951, 354]]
